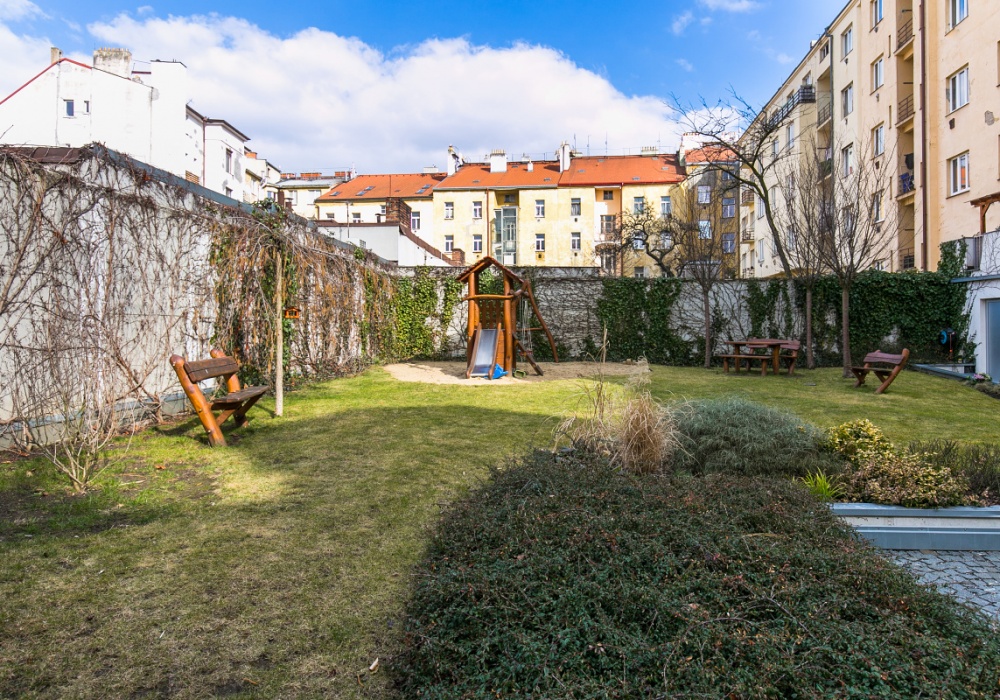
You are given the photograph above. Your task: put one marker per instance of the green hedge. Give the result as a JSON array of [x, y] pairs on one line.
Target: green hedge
[[565, 578]]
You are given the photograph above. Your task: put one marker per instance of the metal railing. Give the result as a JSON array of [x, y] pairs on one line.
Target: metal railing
[[906, 184], [905, 109], [907, 260], [825, 114], [905, 34], [804, 95], [746, 196]]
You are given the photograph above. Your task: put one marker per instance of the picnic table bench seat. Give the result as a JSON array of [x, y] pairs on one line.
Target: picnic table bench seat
[[739, 358], [234, 404], [790, 354], [883, 365]]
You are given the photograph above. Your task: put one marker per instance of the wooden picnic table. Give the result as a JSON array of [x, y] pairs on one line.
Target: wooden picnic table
[[775, 345]]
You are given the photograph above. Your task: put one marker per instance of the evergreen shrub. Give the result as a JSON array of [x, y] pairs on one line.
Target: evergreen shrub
[[736, 436], [563, 577]]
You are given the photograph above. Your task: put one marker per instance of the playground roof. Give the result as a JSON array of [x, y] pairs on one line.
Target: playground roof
[[482, 264]]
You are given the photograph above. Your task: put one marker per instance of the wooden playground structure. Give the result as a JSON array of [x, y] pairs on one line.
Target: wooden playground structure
[[498, 328]]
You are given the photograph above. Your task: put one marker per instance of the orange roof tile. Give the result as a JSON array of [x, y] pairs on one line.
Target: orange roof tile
[[380, 187], [477, 176], [594, 171], [709, 154]]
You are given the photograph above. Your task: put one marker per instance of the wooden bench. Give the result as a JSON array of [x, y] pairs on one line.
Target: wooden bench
[[883, 365], [236, 403], [739, 358]]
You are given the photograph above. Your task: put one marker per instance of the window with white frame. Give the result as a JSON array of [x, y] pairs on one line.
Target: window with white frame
[[878, 140], [638, 205], [878, 74], [775, 147], [70, 107], [477, 210], [508, 199], [957, 93], [414, 220], [847, 41], [729, 207], [449, 210], [727, 176], [381, 209], [760, 251], [957, 11], [704, 194], [229, 161], [449, 244], [539, 242], [575, 240], [790, 136], [639, 243], [847, 160], [640, 273], [574, 206], [847, 100], [666, 207], [759, 206], [704, 229], [877, 213], [958, 174], [607, 223], [539, 208], [477, 243], [355, 217], [791, 240], [877, 12], [229, 191], [609, 195]]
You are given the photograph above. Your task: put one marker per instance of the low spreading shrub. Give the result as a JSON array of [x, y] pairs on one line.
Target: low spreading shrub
[[978, 464], [735, 436], [990, 389], [878, 472], [565, 578]]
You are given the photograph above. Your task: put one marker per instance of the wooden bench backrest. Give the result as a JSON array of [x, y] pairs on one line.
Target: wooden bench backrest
[[215, 367], [887, 358], [791, 345]]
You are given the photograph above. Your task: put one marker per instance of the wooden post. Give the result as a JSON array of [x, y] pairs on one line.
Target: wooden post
[[279, 350], [508, 327], [202, 407]]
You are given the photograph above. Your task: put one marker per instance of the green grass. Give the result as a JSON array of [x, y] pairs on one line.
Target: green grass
[[280, 566]]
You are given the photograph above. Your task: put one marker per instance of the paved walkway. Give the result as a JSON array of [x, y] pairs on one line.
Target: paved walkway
[[972, 577]]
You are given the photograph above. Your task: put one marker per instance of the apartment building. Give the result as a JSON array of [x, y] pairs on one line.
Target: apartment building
[[141, 112], [376, 199], [298, 192], [908, 91]]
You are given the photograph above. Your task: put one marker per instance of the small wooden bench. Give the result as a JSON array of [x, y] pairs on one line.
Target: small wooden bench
[[236, 403], [739, 358], [883, 365]]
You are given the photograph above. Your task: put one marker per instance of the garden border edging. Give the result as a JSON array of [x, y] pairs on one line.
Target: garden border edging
[[967, 528]]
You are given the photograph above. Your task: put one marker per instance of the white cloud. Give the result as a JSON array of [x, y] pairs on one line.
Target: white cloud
[[685, 64], [316, 100], [680, 23], [14, 10], [731, 5]]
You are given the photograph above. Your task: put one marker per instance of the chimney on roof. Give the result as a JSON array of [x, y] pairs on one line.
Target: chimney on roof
[[311, 176], [531, 167], [55, 55], [649, 150], [430, 170], [498, 161], [565, 157], [115, 61]]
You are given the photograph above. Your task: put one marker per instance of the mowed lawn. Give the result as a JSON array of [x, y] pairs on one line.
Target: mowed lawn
[[279, 567]]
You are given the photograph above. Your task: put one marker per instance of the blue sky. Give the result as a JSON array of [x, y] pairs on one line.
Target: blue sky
[[387, 86]]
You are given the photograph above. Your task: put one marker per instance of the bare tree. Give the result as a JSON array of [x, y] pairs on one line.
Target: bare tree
[[806, 201], [704, 240], [735, 131], [859, 225], [644, 232]]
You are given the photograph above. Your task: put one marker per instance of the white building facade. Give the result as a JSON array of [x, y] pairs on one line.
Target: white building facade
[[143, 113]]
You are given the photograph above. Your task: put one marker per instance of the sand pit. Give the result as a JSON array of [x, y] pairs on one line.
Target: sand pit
[[454, 372]]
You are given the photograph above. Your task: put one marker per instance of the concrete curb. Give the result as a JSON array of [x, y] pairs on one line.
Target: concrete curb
[[894, 527]]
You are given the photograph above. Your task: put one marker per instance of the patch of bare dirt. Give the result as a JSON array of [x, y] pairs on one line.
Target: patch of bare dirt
[[454, 372]]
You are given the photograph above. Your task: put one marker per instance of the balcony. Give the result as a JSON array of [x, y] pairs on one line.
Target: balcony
[[825, 168], [906, 110], [825, 114], [746, 196], [905, 34], [907, 185], [804, 95], [746, 236]]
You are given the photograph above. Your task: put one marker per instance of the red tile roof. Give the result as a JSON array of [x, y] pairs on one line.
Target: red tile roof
[[594, 171], [380, 187], [709, 154], [477, 176]]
